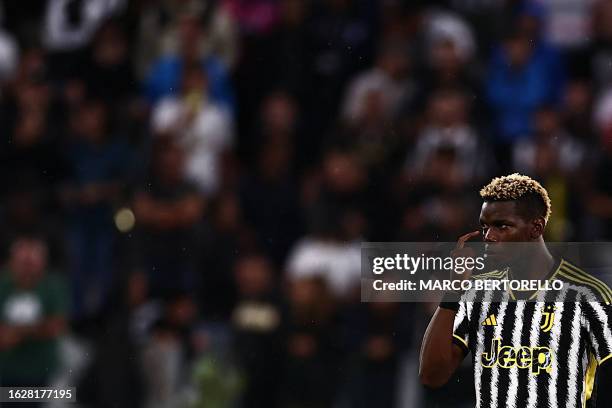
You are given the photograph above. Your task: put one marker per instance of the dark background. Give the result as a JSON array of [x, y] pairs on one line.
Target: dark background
[[257, 143]]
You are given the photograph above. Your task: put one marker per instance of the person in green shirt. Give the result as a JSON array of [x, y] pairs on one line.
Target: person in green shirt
[[33, 305]]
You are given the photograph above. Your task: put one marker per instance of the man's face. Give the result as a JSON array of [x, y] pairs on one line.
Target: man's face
[[501, 223], [28, 260]]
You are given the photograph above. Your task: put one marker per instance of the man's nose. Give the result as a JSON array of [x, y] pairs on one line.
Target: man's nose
[[490, 236]]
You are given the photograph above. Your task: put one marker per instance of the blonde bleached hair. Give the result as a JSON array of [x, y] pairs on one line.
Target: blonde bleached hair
[[517, 187]]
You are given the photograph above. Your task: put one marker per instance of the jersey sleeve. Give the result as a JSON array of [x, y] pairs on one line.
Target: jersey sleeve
[[460, 328], [597, 315]]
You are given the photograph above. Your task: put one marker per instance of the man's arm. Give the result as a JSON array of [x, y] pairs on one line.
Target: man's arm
[[440, 357], [49, 328]]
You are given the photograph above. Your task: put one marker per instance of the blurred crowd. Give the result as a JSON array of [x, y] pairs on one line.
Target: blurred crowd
[[185, 183]]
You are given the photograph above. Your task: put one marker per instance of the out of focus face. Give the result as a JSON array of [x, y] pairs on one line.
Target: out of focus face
[[92, 122], [279, 113], [30, 128], [253, 276], [577, 97], [110, 47], [28, 261], [343, 173], [518, 51], [547, 122], [445, 57], [448, 110], [395, 63]]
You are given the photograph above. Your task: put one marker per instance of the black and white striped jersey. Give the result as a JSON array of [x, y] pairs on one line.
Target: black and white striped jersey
[[540, 353]]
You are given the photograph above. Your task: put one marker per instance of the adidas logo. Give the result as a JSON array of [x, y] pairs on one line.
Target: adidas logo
[[490, 321]]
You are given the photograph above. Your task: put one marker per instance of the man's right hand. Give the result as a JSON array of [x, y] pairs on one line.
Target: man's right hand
[[461, 251]]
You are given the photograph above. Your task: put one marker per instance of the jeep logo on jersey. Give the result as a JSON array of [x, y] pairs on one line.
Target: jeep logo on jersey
[[535, 358]]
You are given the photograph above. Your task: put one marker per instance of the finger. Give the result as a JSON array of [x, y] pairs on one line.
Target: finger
[[462, 239]]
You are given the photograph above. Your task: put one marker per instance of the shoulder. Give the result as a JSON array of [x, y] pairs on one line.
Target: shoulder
[[584, 282]]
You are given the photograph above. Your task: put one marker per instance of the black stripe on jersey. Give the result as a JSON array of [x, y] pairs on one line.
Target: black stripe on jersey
[[504, 375], [487, 374], [564, 344], [523, 375], [473, 320]]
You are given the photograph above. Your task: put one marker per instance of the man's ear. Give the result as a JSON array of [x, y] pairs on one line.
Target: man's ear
[[537, 228]]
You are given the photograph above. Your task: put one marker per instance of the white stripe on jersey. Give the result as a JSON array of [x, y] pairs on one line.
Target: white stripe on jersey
[[572, 389], [486, 304], [603, 318], [497, 331], [585, 362], [555, 338], [534, 337], [587, 294], [516, 339], [460, 316]]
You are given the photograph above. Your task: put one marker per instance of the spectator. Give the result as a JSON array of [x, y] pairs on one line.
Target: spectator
[[30, 152], [387, 80], [377, 334], [271, 201], [551, 145], [564, 25], [165, 75], [257, 321], [558, 159], [599, 199], [590, 60], [448, 126], [201, 127], [169, 210], [278, 121], [342, 42], [312, 346], [166, 352], [323, 254], [435, 206], [576, 115], [97, 165], [69, 27], [449, 62], [33, 316], [225, 235], [159, 28], [286, 51], [109, 72], [521, 78]]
